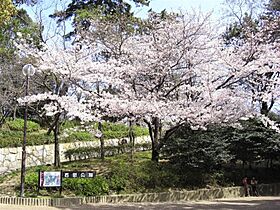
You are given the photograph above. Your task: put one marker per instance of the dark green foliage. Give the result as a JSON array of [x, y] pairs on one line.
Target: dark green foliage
[[11, 134], [20, 26], [255, 143], [10, 139], [251, 143], [80, 10], [27, 2], [110, 131], [109, 134], [206, 150], [118, 7]]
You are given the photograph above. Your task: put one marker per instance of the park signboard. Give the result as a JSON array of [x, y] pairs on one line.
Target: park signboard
[[50, 179], [54, 179]]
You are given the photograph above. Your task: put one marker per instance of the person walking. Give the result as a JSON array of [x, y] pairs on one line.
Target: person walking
[[254, 184], [246, 186]]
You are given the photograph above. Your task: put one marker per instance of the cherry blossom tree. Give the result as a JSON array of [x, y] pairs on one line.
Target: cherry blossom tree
[[254, 50], [173, 73], [170, 75]]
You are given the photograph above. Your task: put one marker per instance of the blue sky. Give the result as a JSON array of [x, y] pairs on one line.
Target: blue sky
[[47, 7], [174, 5], [156, 5]]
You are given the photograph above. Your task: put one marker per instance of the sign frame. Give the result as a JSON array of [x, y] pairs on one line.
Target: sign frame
[[50, 179]]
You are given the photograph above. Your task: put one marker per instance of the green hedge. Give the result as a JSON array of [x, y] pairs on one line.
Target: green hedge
[[87, 186], [114, 131], [14, 139], [78, 136], [118, 131], [94, 152], [140, 131], [17, 125], [11, 134], [81, 153]]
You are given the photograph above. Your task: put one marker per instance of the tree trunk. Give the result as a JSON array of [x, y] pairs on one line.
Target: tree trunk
[[267, 163], [131, 140], [15, 112], [264, 108], [154, 129], [160, 130], [102, 151], [243, 164], [156, 135], [155, 143], [56, 142], [3, 118]]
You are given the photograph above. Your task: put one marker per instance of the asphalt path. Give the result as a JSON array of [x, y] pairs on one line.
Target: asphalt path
[[256, 203]]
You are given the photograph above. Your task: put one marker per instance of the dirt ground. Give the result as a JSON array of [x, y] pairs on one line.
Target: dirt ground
[[256, 203]]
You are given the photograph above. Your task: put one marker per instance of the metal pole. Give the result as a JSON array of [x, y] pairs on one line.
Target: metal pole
[[23, 156]]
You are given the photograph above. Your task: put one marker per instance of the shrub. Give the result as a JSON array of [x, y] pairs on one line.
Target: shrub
[[87, 186], [14, 139], [118, 131], [79, 136], [82, 153], [17, 125], [69, 124], [160, 175], [140, 131], [121, 177], [31, 181], [93, 152], [110, 134], [11, 138], [39, 138], [129, 178]]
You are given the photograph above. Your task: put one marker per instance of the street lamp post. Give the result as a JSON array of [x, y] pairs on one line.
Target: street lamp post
[[27, 70]]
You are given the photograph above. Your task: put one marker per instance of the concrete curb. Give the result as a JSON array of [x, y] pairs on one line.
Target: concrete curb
[[172, 196], [203, 194]]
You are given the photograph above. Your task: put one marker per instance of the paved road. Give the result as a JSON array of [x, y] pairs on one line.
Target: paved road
[[256, 203]]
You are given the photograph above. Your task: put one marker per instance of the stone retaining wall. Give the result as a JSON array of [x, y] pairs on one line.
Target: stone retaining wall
[[173, 196], [10, 158]]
